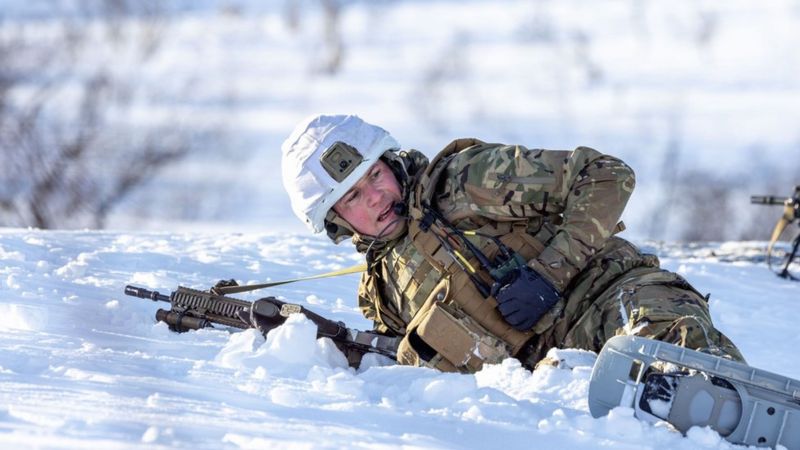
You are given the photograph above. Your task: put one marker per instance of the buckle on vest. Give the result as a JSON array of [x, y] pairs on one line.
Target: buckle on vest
[[427, 220]]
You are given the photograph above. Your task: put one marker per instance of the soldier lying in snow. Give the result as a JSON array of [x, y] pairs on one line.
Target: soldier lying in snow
[[490, 251]]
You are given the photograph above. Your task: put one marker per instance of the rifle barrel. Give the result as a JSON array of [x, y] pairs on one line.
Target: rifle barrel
[[135, 291], [768, 200]]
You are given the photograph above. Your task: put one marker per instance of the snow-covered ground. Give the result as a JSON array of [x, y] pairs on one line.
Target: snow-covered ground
[[83, 366], [673, 88]]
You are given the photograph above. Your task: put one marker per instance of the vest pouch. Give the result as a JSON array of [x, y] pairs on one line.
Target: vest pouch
[[447, 339], [412, 350]]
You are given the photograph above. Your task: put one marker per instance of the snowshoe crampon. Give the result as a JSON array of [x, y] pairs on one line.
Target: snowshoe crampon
[[743, 404]]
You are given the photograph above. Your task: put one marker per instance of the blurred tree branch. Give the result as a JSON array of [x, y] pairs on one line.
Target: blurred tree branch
[[66, 161], [332, 48]]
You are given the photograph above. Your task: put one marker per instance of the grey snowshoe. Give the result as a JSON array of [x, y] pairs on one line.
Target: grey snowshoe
[[743, 404]]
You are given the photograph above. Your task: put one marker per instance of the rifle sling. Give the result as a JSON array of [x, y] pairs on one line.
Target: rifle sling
[[223, 290]]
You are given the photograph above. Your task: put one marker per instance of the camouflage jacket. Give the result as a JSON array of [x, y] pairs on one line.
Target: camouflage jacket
[[578, 195]]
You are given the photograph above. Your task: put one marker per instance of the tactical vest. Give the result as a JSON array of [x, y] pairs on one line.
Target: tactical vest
[[421, 292]]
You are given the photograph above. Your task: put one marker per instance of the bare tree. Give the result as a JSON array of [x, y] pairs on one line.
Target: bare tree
[[431, 93], [333, 37], [668, 180], [65, 163], [714, 206], [332, 48], [704, 206]]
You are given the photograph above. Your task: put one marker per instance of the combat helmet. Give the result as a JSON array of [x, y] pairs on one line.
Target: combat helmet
[[324, 157]]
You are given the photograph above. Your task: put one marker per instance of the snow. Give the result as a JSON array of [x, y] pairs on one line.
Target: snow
[[83, 366], [659, 408]]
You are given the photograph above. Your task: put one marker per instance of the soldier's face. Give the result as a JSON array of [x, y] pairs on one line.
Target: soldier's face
[[368, 206]]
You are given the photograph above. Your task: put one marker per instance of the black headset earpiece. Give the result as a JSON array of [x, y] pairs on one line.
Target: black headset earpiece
[[331, 228]]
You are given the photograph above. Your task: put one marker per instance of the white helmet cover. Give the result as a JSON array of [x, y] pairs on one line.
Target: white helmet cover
[[312, 191]]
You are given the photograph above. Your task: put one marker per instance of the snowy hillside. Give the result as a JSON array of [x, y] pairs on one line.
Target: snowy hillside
[[83, 366], [700, 98]]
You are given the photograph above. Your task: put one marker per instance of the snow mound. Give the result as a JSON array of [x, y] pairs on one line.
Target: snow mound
[[291, 349], [23, 317]]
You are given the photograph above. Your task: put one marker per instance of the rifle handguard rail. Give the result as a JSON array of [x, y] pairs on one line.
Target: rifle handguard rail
[[192, 309]]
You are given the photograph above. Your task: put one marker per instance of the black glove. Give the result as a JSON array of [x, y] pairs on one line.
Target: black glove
[[222, 284], [261, 315], [523, 298]]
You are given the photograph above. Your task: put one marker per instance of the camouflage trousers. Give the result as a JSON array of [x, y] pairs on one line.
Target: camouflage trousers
[[644, 301]]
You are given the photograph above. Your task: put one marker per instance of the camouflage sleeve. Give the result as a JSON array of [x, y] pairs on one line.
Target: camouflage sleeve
[[593, 194], [583, 191], [366, 303]]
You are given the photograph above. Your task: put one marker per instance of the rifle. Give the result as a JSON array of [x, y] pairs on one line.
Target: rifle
[[791, 212], [192, 309]]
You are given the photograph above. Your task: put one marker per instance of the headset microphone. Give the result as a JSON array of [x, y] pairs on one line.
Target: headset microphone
[[400, 208]]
